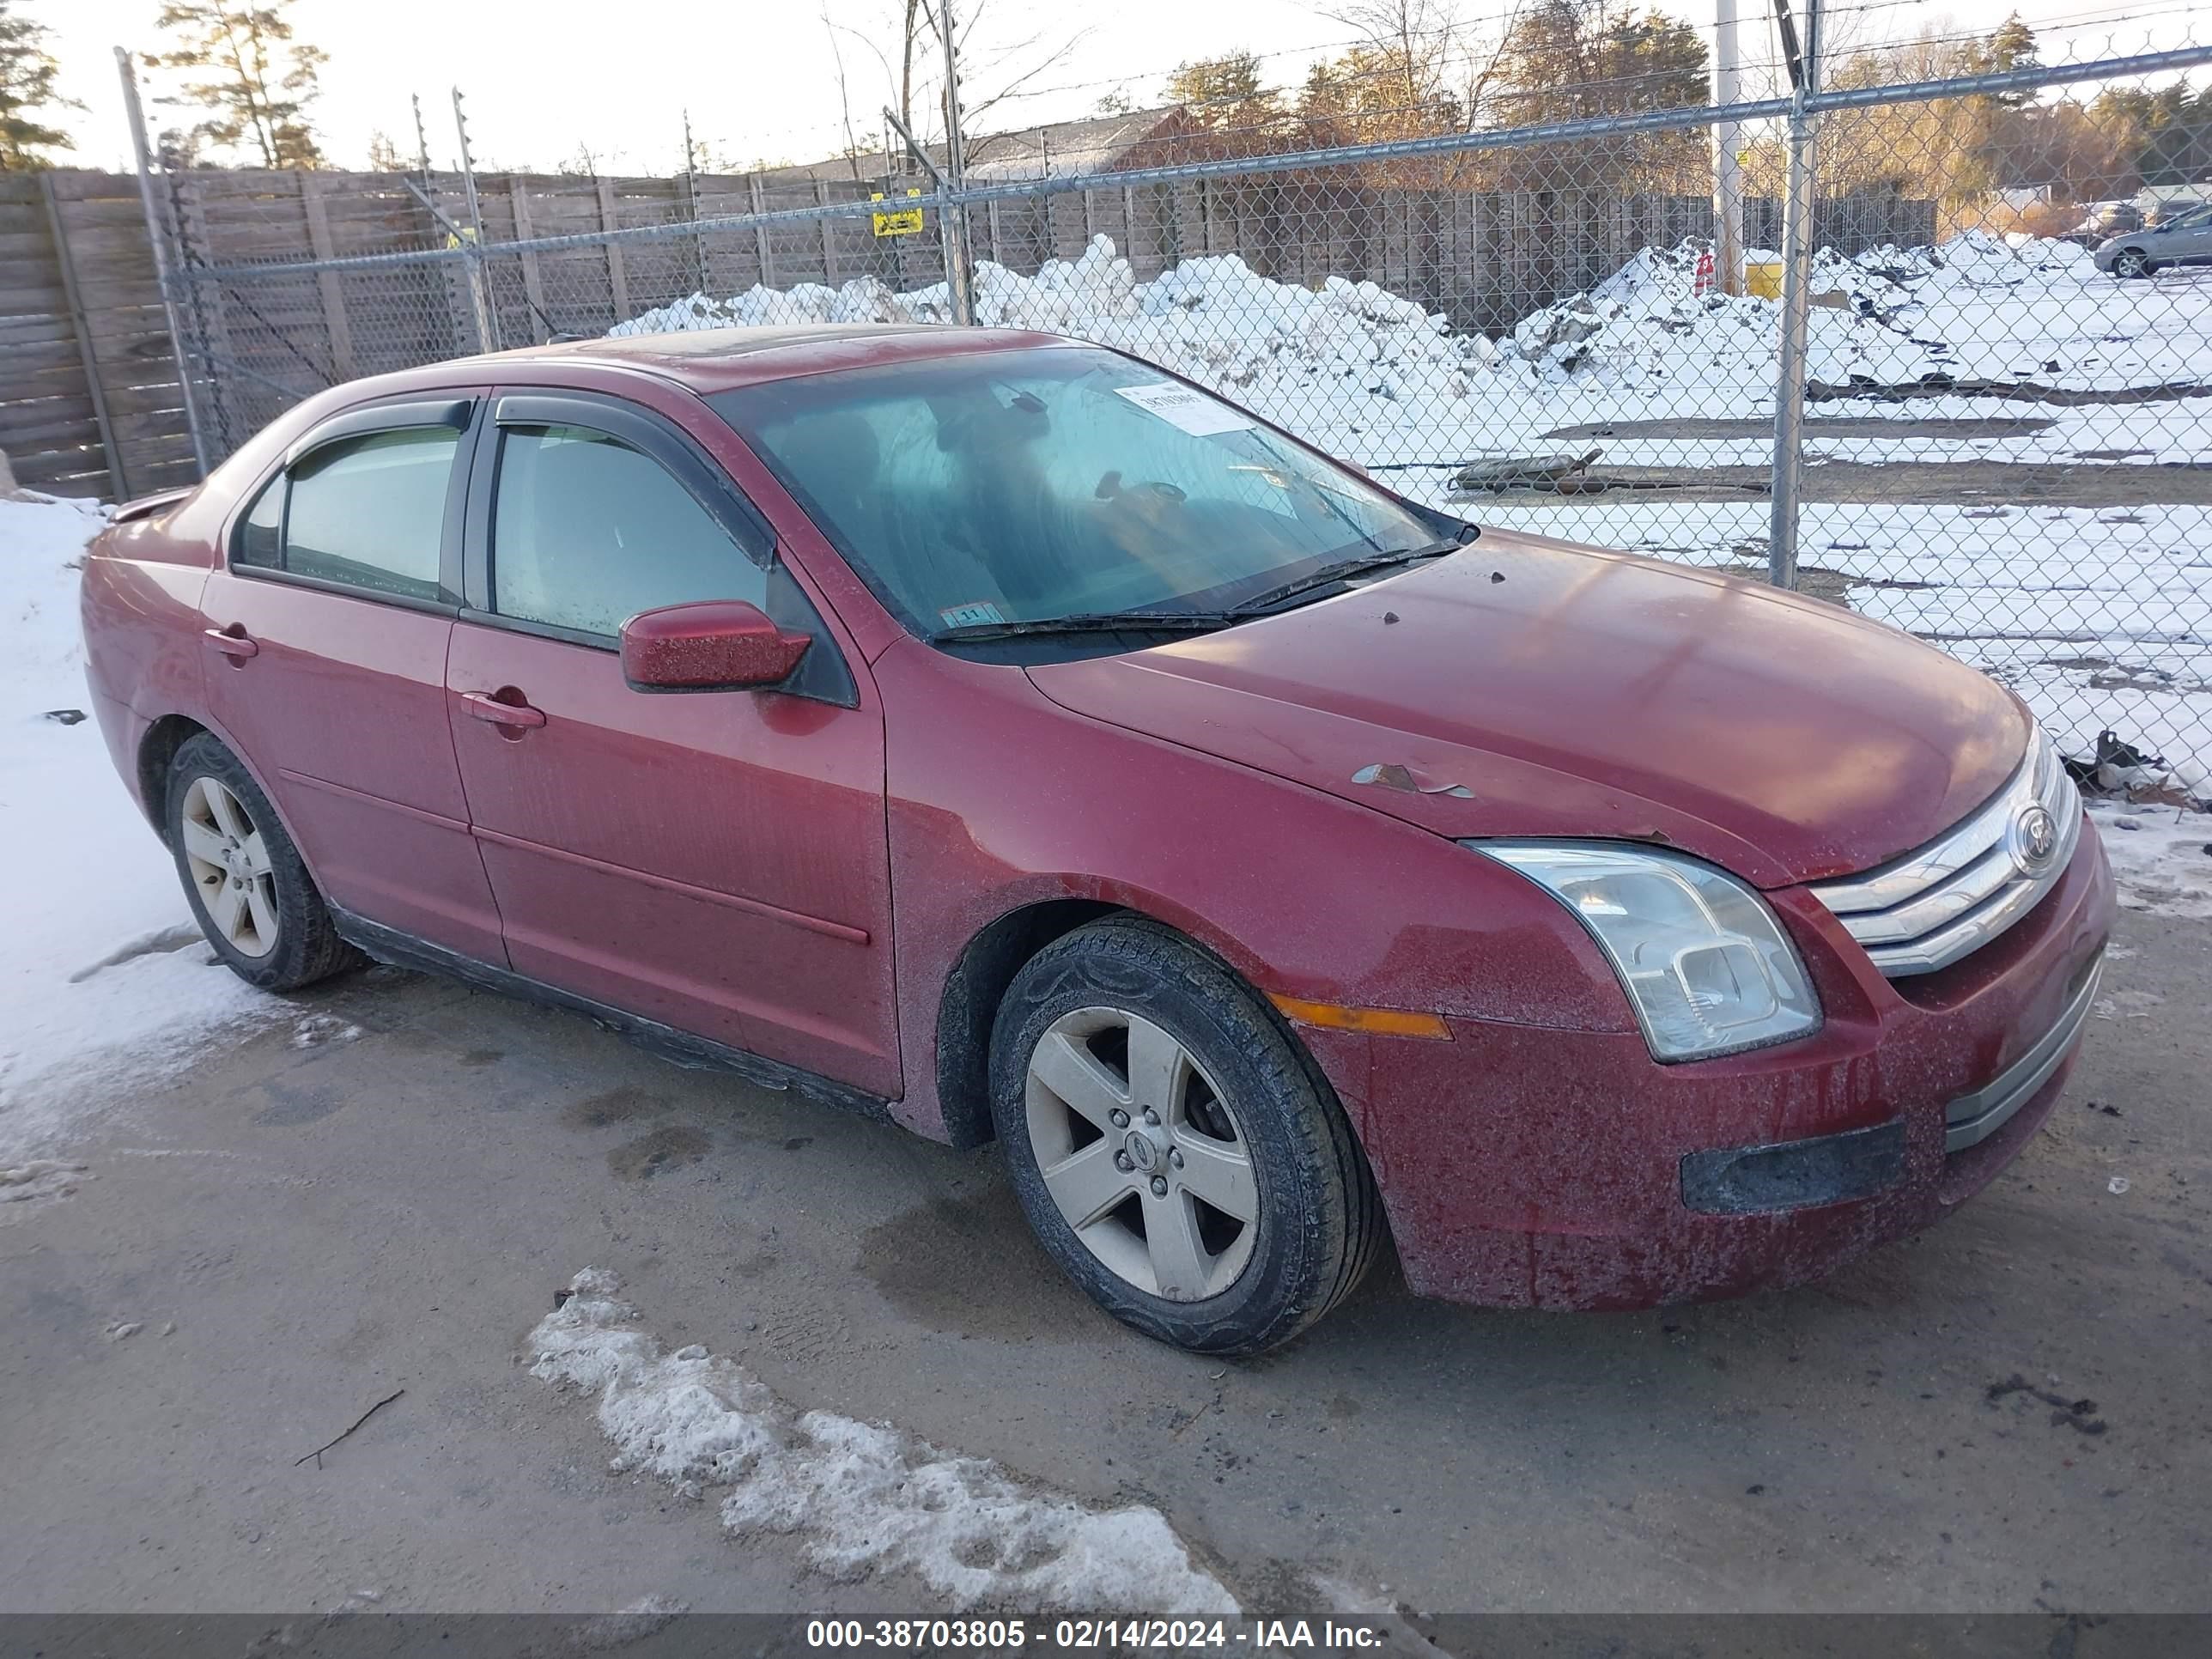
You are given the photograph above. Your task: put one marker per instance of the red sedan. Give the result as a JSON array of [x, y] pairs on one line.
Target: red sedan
[[990, 733]]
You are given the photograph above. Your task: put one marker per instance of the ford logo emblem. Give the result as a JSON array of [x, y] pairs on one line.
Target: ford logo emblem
[[2032, 840]]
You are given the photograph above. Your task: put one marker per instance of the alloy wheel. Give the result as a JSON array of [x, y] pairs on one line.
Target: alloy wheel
[[2131, 264], [1142, 1153], [229, 863]]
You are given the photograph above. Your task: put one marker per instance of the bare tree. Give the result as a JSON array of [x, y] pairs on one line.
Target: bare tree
[[1419, 67], [853, 151], [993, 69], [1413, 44]]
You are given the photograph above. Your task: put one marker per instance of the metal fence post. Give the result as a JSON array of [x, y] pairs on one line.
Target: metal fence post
[[487, 314], [164, 273], [1728, 162], [1796, 300], [960, 275]]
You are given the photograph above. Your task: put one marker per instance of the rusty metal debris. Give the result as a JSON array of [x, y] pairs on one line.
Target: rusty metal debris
[[1522, 471], [1570, 474], [2116, 765], [1866, 388]]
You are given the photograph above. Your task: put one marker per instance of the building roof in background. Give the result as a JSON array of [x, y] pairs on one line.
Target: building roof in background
[[1061, 149]]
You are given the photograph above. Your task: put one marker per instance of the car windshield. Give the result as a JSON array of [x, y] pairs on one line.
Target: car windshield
[[1046, 483]]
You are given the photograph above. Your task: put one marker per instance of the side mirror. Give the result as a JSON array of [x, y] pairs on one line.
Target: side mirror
[[714, 645]]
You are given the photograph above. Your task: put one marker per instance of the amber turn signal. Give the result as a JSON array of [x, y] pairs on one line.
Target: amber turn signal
[[1376, 1022]]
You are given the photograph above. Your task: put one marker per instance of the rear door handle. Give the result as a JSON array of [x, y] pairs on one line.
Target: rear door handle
[[233, 643], [486, 706]]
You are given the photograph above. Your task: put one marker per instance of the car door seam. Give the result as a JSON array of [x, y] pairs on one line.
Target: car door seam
[[461, 771], [421, 814], [812, 924]]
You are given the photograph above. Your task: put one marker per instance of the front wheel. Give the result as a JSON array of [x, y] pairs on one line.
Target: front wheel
[[1175, 1153], [2132, 263], [248, 888]]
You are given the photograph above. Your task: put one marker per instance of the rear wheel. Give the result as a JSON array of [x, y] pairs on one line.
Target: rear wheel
[[1177, 1155], [248, 889]]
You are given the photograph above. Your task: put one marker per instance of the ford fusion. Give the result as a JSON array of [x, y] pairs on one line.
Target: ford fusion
[[997, 735]]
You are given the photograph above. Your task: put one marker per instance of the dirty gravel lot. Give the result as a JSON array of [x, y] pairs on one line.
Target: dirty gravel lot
[[2008, 1412]]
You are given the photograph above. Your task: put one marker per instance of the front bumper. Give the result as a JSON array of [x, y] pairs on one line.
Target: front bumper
[[1528, 1167]]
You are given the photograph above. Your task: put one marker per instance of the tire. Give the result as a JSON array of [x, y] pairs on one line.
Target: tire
[[1070, 1023], [252, 895], [2131, 263]]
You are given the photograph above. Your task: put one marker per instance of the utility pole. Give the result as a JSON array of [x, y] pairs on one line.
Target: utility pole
[[1728, 147], [692, 203], [947, 242], [1797, 293], [959, 278]]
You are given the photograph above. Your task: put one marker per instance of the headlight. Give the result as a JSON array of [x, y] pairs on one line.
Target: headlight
[[1704, 963]]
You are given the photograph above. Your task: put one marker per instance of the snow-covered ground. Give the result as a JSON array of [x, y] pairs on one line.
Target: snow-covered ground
[[859, 1496], [2101, 618], [105, 981], [2161, 857]]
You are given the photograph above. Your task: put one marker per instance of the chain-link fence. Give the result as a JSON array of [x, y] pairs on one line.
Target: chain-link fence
[[2003, 437]]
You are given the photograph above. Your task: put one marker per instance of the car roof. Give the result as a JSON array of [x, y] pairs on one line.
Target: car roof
[[719, 358]]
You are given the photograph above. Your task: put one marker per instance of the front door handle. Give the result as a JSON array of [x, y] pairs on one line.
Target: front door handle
[[517, 715], [233, 641]]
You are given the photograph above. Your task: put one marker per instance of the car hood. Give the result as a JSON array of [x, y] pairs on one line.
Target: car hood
[[1527, 687]]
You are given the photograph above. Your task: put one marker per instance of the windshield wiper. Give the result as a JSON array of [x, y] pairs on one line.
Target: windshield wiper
[[1106, 621], [1329, 574]]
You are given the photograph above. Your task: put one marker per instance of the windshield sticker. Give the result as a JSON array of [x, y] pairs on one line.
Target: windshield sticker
[[976, 611], [1187, 408]]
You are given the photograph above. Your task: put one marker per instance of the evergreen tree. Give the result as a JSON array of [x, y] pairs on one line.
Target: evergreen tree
[[1226, 97], [27, 85], [251, 76], [1563, 61]]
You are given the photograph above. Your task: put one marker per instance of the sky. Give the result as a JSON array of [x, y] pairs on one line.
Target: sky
[[760, 80]]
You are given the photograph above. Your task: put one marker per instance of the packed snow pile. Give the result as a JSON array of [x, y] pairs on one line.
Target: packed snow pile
[[2016, 309], [2019, 308], [1379, 377], [1213, 319], [106, 981], [861, 1497]]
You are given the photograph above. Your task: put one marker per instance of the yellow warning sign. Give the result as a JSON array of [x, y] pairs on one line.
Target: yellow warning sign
[[898, 221]]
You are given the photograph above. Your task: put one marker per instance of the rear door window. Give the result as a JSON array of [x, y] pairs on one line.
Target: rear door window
[[586, 532], [370, 512]]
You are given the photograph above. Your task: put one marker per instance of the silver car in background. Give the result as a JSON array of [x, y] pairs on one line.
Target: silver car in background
[[2183, 239]]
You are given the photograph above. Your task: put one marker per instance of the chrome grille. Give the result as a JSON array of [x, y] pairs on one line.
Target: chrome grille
[[1934, 905]]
